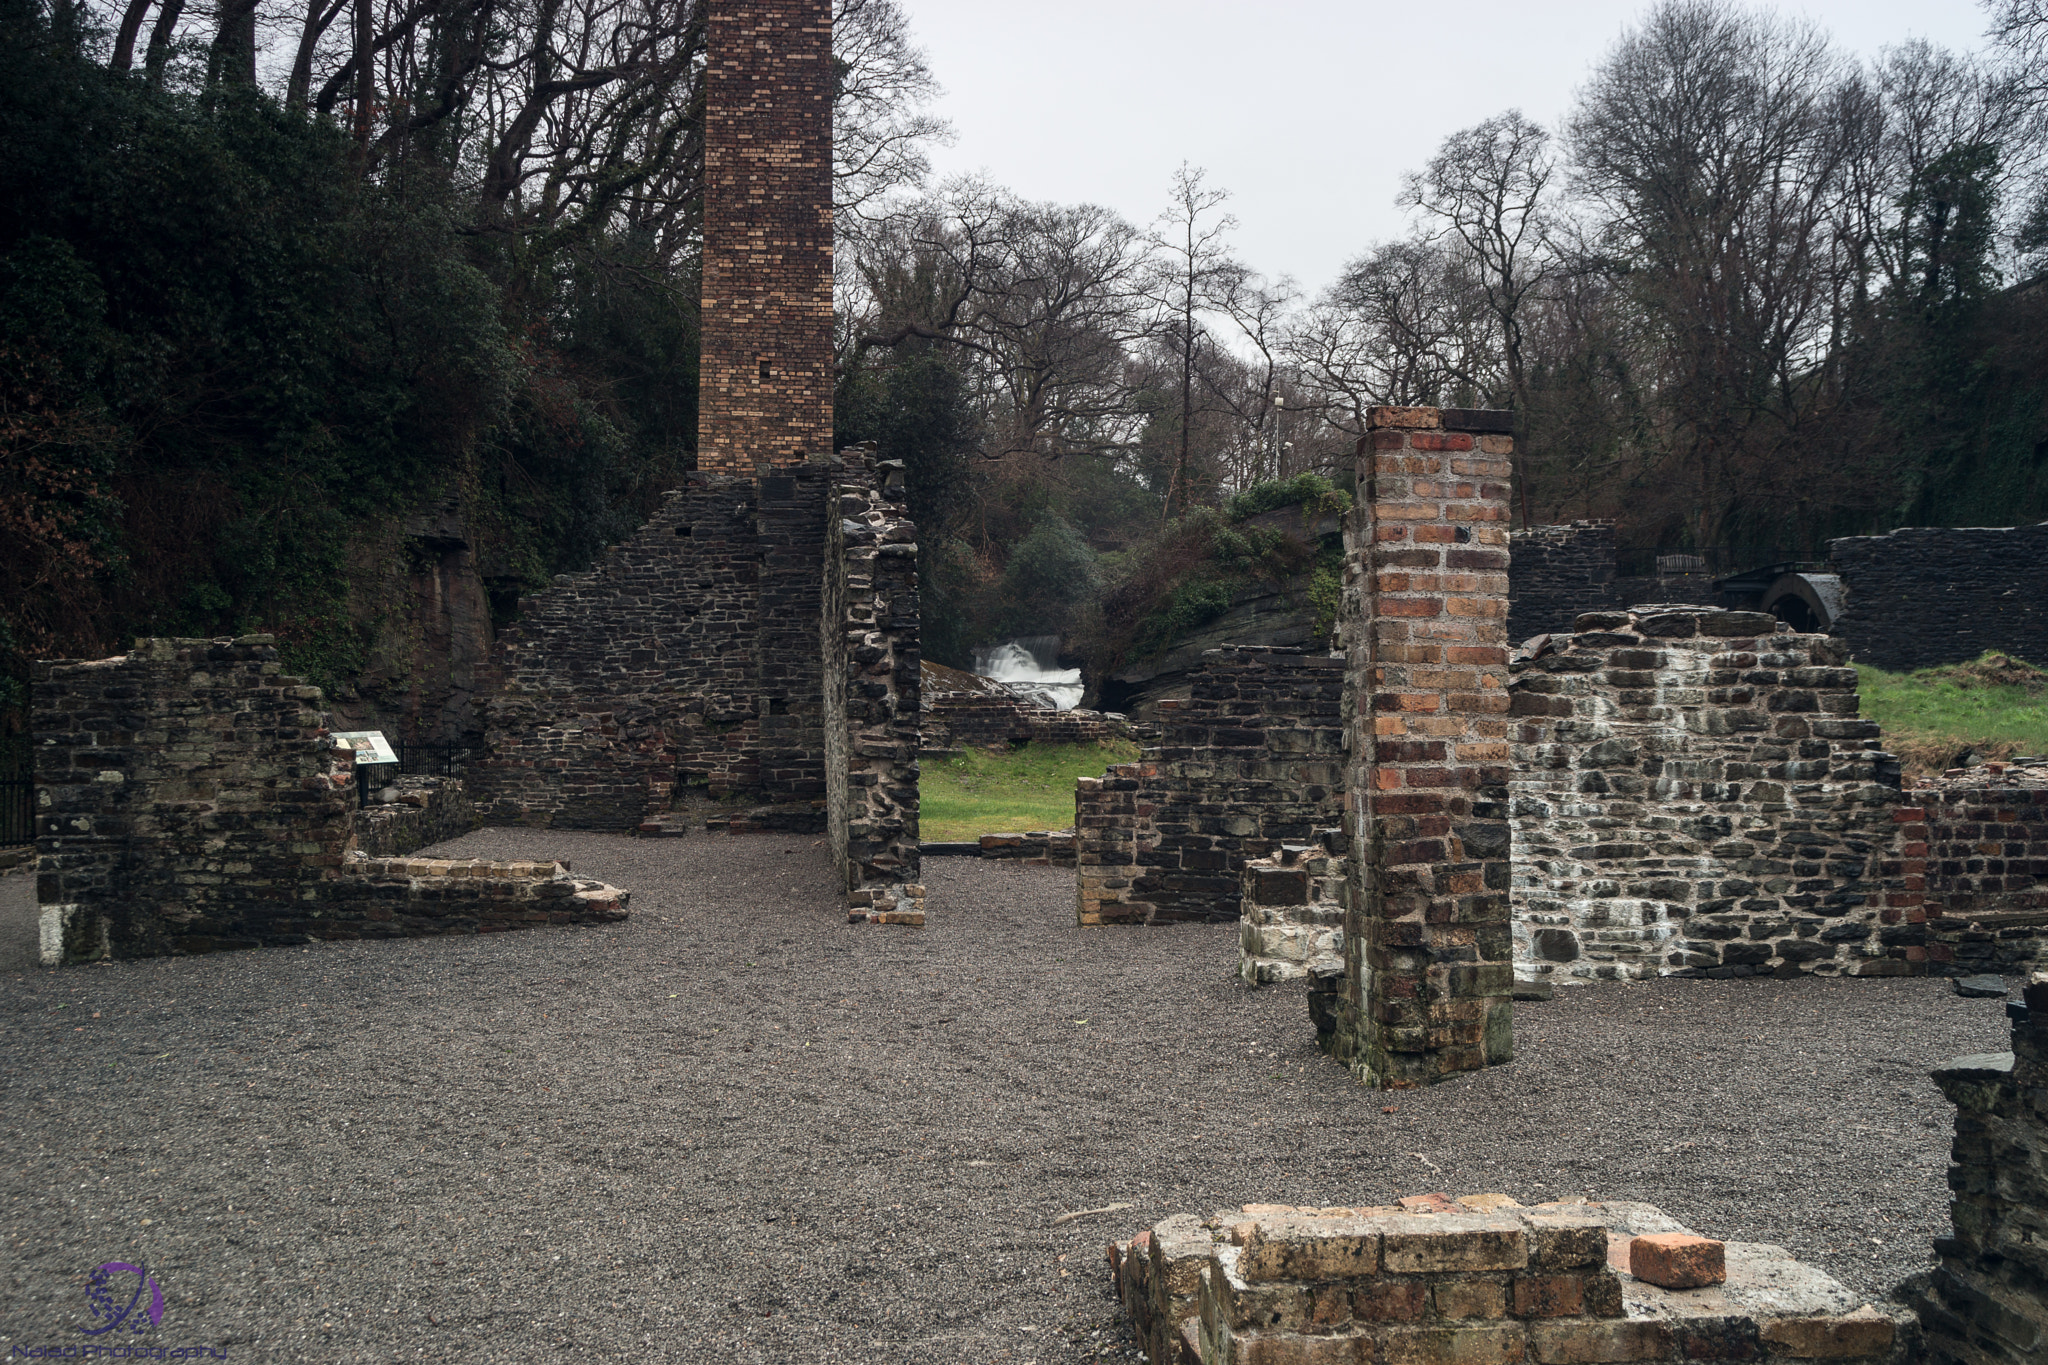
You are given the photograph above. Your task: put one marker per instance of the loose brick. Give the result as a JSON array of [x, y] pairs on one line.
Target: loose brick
[[1677, 1261]]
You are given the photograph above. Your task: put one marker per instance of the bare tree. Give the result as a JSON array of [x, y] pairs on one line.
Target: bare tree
[[880, 125], [1192, 276]]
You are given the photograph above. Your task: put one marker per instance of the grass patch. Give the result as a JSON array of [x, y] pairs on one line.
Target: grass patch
[[1995, 706], [1000, 793]]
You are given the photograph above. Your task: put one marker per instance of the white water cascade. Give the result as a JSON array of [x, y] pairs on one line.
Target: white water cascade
[[1021, 666]]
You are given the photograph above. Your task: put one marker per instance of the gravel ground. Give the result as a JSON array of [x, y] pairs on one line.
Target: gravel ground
[[738, 1129]]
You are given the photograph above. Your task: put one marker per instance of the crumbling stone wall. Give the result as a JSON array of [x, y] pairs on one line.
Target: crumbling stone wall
[[1695, 794], [1558, 572], [1928, 595], [688, 656], [1252, 759], [1427, 942], [1986, 1300], [765, 393], [869, 645], [1294, 903], [985, 720], [428, 811], [190, 799]]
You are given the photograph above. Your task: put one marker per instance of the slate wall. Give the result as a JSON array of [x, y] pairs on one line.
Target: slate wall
[[1252, 759], [1558, 572], [688, 656], [1924, 596]]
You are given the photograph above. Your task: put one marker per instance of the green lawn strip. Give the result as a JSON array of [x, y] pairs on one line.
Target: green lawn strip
[[1024, 789], [1993, 705]]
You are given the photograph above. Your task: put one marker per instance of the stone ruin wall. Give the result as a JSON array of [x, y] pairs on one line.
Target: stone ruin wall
[[189, 799], [1696, 794], [1427, 976], [1251, 760], [766, 371], [687, 660], [1294, 906], [1929, 595], [869, 645], [1986, 1300], [958, 720]]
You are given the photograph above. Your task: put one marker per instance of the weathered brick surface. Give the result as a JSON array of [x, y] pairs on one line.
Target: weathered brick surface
[[1427, 941], [1986, 1301], [765, 388], [1928, 595], [190, 799], [1468, 1281], [1251, 760], [872, 712], [1695, 794], [1979, 847]]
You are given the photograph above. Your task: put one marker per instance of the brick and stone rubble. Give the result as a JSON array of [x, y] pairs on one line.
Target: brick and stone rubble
[[1986, 1300], [869, 645], [1929, 595], [1294, 903], [1478, 1279], [1252, 759], [1695, 794], [1427, 937], [765, 394], [189, 798]]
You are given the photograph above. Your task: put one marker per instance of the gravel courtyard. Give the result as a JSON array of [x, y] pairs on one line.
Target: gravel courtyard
[[738, 1129]]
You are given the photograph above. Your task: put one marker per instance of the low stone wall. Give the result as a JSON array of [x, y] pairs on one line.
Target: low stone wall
[[1251, 760], [190, 799], [982, 720], [1294, 907], [1479, 1279], [1695, 794], [428, 811], [869, 647], [1986, 1301], [1928, 595], [1040, 848]]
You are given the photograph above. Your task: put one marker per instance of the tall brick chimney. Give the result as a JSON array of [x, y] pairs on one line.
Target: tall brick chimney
[[765, 378]]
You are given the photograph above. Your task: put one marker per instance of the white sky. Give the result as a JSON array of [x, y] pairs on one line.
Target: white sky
[[1308, 111]]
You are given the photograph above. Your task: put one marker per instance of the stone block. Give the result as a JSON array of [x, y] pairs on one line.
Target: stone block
[[1429, 1244], [1497, 1345], [1584, 1343], [1866, 1332]]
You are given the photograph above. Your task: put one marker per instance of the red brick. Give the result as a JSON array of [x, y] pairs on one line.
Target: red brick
[[1674, 1260]]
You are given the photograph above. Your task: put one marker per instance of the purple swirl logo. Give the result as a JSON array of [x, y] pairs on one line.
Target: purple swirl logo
[[104, 1294]]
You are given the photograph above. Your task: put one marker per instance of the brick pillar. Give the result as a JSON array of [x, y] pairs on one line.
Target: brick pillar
[[1428, 940], [765, 377]]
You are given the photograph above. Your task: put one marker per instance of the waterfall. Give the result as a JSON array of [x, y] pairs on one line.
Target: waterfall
[[1022, 666]]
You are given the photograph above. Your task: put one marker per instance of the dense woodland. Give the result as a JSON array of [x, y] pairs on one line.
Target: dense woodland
[[276, 275]]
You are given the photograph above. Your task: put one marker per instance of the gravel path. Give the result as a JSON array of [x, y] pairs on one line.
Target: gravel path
[[738, 1129]]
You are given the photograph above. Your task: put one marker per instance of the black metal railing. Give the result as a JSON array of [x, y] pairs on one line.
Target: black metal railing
[[17, 791], [435, 758], [1714, 561]]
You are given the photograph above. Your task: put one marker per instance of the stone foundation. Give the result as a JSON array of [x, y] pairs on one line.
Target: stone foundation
[[1479, 1279], [1986, 1301], [189, 799], [1251, 760], [1695, 794]]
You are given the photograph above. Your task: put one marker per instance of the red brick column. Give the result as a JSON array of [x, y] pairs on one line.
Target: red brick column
[[1428, 941], [765, 378]]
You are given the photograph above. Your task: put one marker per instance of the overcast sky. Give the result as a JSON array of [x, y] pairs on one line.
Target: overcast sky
[[1308, 111]]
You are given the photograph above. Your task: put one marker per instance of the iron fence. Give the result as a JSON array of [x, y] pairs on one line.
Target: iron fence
[[1717, 561], [17, 791], [435, 758]]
